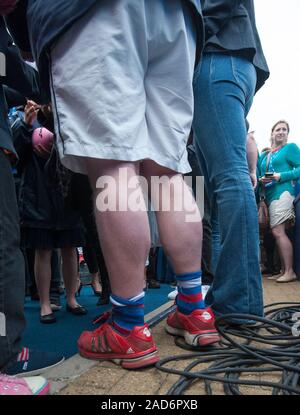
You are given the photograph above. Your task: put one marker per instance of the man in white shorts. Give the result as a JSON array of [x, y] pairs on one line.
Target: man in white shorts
[[121, 88]]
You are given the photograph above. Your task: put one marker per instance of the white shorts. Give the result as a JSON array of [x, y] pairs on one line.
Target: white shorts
[[122, 84], [282, 210]]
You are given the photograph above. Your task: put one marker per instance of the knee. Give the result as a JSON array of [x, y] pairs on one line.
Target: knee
[[233, 181], [277, 232]]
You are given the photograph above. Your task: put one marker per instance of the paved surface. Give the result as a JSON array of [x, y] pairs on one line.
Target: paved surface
[[78, 376]]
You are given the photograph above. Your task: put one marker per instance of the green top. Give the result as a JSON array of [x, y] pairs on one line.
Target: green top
[[285, 161]]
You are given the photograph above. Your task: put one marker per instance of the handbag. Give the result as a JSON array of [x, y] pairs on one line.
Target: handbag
[[263, 215], [263, 211]]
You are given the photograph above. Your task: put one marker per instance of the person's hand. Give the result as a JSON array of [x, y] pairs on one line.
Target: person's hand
[[253, 178], [31, 110], [275, 176], [7, 6]]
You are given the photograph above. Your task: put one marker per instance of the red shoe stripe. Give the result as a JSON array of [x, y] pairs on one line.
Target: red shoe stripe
[[23, 355]]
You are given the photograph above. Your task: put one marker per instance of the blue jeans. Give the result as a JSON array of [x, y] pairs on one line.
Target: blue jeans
[[224, 87], [12, 277], [216, 242]]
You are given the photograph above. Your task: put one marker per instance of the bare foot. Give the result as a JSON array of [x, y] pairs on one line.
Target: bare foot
[[45, 309]]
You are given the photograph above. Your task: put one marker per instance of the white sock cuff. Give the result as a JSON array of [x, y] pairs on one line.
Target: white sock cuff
[[132, 299], [190, 284]]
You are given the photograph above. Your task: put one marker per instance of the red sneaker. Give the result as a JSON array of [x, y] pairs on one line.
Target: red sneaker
[[197, 328], [132, 351]]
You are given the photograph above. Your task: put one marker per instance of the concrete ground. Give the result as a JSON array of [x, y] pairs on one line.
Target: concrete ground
[[78, 376]]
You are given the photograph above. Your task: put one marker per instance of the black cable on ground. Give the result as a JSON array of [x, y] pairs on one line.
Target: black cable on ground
[[160, 316], [270, 346]]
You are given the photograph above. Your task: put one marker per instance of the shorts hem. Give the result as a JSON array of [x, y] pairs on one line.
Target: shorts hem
[[75, 160]]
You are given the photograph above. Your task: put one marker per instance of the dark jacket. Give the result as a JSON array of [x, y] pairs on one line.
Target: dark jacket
[[47, 20], [13, 97], [42, 203], [19, 76], [230, 26]]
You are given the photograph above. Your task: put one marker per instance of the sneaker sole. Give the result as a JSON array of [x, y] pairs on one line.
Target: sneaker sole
[[205, 339], [38, 371], [127, 363]]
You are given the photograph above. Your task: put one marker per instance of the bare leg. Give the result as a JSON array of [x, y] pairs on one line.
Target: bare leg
[[95, 282], [285, 249], [42, 270], [70, 274], [181, 239], [124, 235]]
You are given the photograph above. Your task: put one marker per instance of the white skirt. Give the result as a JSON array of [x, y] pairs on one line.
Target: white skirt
[[122, 84], [281, 210]]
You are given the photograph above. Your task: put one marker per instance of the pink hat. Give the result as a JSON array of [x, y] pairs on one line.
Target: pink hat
[[42, 138]]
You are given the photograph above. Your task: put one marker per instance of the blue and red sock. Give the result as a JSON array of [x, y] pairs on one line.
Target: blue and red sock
[[189, 296], [127, 312]]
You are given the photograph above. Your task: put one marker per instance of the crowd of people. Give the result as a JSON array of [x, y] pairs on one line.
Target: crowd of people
[[86, 134]]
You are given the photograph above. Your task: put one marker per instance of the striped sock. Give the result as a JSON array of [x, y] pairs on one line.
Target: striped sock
[[127, 312], [189, 296]]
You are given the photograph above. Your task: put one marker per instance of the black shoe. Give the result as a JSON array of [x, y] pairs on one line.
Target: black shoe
[[33, 362], [48, 318], [96, 293], [153, 283], [77, 311]]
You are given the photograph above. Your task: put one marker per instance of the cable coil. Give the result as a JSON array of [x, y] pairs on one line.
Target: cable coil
[[270, 346]]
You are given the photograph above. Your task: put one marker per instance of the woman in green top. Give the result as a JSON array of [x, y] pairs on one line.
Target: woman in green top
[[279, 168]]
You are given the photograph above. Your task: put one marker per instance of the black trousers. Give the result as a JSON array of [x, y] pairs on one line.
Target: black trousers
[[12, 271]]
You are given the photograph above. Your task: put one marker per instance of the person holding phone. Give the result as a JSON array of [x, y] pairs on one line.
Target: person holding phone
[[279, 167]]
